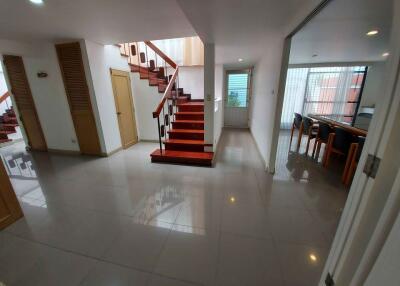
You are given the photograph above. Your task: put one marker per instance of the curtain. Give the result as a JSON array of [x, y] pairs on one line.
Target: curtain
[[294, 95], [329, 91]]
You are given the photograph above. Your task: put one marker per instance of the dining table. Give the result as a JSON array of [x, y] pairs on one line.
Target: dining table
[[354, 130]]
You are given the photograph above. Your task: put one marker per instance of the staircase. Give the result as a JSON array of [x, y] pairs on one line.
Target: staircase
[[8, 121], [180, 119]]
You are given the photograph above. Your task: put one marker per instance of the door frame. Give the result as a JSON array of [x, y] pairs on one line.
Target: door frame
[[24, 130], [362, 187], [9, 199], [127, 75], [227, 72]]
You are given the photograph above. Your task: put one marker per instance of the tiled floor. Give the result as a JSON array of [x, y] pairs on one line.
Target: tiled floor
[[124, 221]]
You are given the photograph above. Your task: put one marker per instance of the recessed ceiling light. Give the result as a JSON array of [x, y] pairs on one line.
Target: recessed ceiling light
[[313, 257], [372, 33], [37, 2], [385, 54], [240, 60]]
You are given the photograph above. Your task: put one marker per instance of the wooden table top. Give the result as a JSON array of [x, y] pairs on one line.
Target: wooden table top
[[349, 128]]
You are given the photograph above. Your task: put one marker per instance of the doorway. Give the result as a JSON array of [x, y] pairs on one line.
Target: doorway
[[124, 107], [339, 100], [25, 105], [238, 83]]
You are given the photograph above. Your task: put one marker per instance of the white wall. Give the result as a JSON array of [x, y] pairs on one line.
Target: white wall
[[146, 99], [373, 84], [264, 96], [101, 59], [3, 89], [218, 105], [48, 93], [209, 93], [191, 79]]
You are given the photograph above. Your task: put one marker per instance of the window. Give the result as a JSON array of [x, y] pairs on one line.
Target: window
[[238, 89], [334, 92]]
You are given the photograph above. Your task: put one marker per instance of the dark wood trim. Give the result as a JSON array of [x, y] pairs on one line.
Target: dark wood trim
[[4, 96], [360, 96], [161, 54]]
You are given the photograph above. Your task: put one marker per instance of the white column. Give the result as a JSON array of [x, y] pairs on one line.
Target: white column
[[209, 93]]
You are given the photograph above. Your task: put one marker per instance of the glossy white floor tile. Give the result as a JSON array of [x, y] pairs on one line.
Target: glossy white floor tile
[[122, 220]]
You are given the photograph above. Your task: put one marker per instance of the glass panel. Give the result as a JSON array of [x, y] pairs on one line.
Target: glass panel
[[237, 90], [333, 92]]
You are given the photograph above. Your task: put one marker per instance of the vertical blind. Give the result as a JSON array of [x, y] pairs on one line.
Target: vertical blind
[[329, 91]]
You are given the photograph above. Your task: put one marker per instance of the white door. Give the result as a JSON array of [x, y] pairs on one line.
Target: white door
[[237, 97], [355, 245]]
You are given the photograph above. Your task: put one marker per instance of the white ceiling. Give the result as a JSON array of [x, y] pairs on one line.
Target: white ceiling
[[239, 28], [102, 21], [337, 33]]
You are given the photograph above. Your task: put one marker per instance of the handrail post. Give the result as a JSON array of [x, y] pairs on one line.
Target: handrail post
[[147, 62], [138, 55], [159, 133]]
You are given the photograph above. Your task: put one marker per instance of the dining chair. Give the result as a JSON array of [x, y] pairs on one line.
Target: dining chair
[[298, 119], [352, 160], [309, 128], [338, 142], [322, 138]]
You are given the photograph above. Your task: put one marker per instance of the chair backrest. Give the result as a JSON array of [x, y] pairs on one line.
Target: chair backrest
[[307, 124], [324, 130], [342, 140], [297, 120], [360, 141]]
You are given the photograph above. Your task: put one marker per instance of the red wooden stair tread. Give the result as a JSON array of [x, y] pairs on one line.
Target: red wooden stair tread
[[189, 121], [186, 157], [197, 131], [189, 113], [184, 141], [192, 103]]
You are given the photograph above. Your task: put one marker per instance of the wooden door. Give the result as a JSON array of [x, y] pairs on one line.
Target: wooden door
[[10, 209], [73, 72], [24, 101], [124, 106]]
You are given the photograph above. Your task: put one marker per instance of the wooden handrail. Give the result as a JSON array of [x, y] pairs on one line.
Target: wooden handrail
[[161, 54], [4, 96], [160, 106]]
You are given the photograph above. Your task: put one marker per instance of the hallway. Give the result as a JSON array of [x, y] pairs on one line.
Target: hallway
[[122, 220]]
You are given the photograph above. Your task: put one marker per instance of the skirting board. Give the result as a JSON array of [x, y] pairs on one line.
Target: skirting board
[[148, 140], [112, 152], [63, 152]]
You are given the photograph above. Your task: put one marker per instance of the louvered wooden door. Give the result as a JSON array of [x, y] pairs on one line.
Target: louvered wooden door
[[25, 104], [71, 64], [10, 209]]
